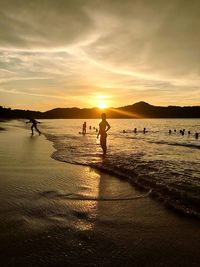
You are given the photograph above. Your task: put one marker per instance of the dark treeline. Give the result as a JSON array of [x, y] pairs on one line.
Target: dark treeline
[[137, 110]]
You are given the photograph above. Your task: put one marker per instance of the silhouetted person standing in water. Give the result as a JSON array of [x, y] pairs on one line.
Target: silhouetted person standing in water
[[34, 125], [104, 126], [84, 128]]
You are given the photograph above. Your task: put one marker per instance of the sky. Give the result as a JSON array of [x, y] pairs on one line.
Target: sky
[[87, 53]]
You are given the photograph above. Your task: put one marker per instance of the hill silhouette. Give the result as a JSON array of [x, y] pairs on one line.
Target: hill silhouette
[[137, 110]]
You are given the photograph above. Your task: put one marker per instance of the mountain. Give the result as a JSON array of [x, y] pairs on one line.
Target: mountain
[[149, 111], [137, 110]]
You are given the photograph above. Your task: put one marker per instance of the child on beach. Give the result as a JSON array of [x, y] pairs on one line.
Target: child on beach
[[34, 125], [104, 126]]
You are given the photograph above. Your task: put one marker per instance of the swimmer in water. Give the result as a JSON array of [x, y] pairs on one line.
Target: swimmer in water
[[104, 126], [34, 125]]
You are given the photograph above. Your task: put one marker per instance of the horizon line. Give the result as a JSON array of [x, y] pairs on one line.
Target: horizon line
[[107, 108]]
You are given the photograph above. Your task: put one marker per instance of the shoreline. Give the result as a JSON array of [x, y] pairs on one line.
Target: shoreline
[[40, 226], [161, 194], [156, 195]]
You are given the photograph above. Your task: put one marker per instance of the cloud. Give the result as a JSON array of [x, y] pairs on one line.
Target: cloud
[[159, 38], [143, 50], [42, 24]]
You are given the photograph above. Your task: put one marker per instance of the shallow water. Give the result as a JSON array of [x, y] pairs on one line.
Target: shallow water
[[168, 165]]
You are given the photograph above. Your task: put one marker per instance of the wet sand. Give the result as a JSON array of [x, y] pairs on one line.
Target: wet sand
[[58, 214]]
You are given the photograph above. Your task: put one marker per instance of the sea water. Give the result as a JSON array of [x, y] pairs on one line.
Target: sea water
[[167, 165]]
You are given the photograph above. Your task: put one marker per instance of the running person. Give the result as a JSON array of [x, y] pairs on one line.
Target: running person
[[104, 126], [34, 125]]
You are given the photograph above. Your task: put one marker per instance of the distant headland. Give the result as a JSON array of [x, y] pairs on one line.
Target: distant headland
[[137, 110]]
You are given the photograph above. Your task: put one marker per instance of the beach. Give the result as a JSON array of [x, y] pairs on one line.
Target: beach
[[55, 213]]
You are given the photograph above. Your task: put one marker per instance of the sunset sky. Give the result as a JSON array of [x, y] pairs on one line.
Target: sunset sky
[[86, 53]]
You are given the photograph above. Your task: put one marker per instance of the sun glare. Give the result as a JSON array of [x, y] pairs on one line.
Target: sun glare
[[101, 104], [100, 101]]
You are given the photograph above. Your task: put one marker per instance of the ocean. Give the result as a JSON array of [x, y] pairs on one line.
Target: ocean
[[165, 165]]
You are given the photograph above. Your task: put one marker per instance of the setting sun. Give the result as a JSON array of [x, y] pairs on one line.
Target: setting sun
[[101, 101], [101, 104]]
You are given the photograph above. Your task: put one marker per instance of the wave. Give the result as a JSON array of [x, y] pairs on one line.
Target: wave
[[166, 181], [196, 146], [73, 196]]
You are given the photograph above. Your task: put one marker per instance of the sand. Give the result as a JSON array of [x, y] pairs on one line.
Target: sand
[[41, 224]]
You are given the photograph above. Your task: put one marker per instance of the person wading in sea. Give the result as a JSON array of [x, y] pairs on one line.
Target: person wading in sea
[[104, 126], [84, 128], [34, 125]]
